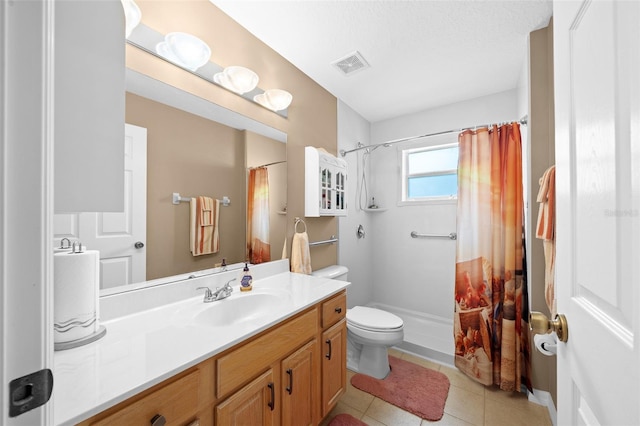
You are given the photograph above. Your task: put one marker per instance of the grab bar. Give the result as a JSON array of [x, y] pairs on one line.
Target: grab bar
[[451, 236], [331, 240]]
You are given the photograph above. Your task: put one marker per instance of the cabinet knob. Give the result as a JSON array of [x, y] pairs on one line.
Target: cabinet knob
[[338, 310], [158, 420]]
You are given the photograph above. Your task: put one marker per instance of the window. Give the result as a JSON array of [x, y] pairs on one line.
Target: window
[[429, 173]]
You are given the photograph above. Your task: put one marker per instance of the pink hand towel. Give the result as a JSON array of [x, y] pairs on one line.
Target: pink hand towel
[[204, 235]]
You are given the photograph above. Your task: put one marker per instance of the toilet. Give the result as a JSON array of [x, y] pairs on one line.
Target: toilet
[[370, 332]]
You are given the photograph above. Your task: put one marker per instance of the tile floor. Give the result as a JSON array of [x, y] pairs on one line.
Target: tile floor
[[468, 403]]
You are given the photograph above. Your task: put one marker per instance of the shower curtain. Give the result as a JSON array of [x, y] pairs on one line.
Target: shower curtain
[[491, 308], [258, 247]]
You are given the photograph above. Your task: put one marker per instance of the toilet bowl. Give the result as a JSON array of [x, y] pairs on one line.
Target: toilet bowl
[[370, 332]]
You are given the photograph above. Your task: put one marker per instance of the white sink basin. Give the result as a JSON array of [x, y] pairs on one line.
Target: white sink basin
[[239, 308]]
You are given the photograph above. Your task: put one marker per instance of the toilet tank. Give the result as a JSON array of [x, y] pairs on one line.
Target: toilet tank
[[334, 272]]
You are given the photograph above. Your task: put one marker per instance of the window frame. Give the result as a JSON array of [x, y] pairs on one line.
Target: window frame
[[403, 166]]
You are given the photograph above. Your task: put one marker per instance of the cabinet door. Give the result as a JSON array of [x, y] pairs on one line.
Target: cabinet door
[[334, 365], [254, 404], [299, 389], [176, 403], [89, 106], [341, 192]]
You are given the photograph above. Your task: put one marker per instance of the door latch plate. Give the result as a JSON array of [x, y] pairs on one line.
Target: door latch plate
[[30, 391]]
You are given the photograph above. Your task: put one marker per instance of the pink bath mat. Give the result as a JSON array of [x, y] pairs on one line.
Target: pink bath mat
[[346, 420], [419, 390]]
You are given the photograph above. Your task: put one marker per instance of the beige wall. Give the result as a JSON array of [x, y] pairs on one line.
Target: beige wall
[[542, 155], [312, 118], [193, 156]]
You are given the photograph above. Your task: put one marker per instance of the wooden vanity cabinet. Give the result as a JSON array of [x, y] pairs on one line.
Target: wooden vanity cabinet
[[184, 399], [254, 404], [334, 368], [334, 351], [291, 374], [300, 386]]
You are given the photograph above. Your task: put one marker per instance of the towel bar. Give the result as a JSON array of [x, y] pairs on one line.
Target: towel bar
[[331, 240], [451, 236], [177, 199]]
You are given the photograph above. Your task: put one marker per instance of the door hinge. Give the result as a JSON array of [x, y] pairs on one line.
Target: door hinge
[[30, 391]]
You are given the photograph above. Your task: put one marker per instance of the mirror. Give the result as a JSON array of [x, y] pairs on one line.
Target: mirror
[[193, 148]]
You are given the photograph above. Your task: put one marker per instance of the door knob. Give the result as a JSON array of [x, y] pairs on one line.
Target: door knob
[[540, 324], [139, 245]]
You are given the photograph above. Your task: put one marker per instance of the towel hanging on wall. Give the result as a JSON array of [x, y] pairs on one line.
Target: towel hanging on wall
[[300, 256], [203, 230], [545, 230]]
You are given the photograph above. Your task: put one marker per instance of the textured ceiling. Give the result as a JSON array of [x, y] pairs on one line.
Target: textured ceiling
[[421, 54]]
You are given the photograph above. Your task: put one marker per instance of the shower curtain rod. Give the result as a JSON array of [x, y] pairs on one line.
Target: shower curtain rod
[[269, 164], [523, 122]]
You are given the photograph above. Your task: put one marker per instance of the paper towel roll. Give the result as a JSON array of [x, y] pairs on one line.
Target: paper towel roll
[[547, 344], [75, 281]]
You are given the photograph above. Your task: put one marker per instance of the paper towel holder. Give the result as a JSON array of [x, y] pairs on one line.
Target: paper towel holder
[[61, 346], [540, 324]]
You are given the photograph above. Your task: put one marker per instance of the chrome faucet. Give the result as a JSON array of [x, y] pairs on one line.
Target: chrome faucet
[[219, 294]]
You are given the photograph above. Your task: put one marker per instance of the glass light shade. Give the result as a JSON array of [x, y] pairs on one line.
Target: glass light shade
[[132, 15], [184, 49], [274, 99], [237, 79]]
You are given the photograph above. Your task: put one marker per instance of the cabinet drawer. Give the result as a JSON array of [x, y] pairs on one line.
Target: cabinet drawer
[[242, 364], [177, 402], [334, 309]]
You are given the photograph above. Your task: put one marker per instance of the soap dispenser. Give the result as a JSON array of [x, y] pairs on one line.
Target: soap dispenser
[[246, 280]]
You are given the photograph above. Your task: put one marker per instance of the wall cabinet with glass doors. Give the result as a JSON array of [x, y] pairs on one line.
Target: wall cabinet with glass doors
[[325, 184]]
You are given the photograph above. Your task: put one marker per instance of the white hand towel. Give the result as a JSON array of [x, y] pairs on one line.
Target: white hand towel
[[300, 256]]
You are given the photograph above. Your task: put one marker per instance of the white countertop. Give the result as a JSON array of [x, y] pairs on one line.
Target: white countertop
[[145, 348]]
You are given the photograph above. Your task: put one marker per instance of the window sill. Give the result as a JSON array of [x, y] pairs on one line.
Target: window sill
[[429, 202]]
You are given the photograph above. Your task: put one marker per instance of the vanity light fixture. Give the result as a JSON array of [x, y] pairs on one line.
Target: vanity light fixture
[[185, 50], [237, 79], [189, 52], [274, 99], [132, 15]]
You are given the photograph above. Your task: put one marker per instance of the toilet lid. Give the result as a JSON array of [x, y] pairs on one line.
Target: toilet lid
[[373, 319]]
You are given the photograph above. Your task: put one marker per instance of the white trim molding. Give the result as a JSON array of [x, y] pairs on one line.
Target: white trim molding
[[543, 398]]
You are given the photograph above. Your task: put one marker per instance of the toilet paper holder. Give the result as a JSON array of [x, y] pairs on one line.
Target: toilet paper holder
[[546, 344]]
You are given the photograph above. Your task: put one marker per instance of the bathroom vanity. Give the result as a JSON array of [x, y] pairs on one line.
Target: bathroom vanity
[[269, 356]]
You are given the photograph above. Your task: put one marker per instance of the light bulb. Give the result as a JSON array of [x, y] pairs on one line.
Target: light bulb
[[237, 79], [274, 99], [132, 16], [184, 49]]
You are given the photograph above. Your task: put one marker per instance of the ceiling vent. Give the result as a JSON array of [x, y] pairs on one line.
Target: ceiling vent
[[351, 63]]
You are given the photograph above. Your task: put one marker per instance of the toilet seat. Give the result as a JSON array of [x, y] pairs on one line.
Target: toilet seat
[[371, 319]]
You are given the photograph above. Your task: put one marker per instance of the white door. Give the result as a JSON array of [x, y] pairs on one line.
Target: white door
[[120, 237], [597, 101], [26, 197]]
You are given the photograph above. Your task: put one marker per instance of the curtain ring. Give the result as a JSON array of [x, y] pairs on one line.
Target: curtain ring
[[298, 220]]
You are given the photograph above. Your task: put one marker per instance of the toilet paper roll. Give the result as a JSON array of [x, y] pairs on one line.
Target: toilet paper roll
[[75, 281], [547, 344]]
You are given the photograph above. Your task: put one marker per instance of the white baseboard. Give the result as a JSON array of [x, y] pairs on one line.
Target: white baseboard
[[543, 398]]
